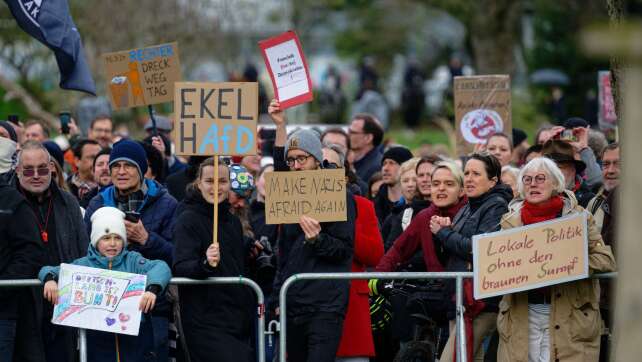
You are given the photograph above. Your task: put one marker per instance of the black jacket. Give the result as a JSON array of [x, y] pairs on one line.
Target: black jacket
[[21, 254], [331, 253], [584, 195], [480, 215], [383, 206], [392, 227], [217, 319]]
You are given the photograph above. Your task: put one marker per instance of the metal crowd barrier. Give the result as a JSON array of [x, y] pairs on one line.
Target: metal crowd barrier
[[82, 336], [459, 307]]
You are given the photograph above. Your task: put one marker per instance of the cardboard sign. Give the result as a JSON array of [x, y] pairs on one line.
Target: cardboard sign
[[320, 194], [216, 118], [99, 299], [607, 118], [143, 76], [531, 257], [482, 108], [288, 69]]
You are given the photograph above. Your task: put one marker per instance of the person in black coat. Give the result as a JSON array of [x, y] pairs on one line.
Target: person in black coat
[[216, 319], [20, 258], [488, 200]]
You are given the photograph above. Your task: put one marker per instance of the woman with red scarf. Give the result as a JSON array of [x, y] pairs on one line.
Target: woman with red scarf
[[561, 322]]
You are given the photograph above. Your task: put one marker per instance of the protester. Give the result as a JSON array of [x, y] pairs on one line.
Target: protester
[[216, 319], [22, 254], [108, 250], [488, 200], [150, 219], [390, 192], [241, 188], [366, 135], [80, 183], [564, 156], [163, 144], [336, 136], [520, 145], [407, 207], [509, 177], [101, 130], [156, 168], [7, 131], [532, 152], [63, 238], [316, 307], [604, 208], [356, 338], [560, 322], [163, 126], [500, 146], [7, 152], [102, 177], [177, 182], [36, 131]]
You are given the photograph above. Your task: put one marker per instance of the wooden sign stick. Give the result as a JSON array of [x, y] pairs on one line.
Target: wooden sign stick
[[215, 231]]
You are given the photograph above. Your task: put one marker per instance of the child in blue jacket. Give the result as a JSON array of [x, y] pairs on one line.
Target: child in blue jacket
[[108, 251]]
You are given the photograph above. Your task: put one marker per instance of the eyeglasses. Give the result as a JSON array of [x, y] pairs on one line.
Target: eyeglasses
[[539, 179], [300, 159], [30, 172]]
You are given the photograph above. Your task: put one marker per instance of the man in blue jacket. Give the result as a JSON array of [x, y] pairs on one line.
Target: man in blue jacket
[[149, 222]]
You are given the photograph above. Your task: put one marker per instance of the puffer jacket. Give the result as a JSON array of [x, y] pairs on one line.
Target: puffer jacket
[[107, 347], [574, 322]]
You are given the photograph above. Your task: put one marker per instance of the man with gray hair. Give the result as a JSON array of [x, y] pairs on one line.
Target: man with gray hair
[[63, 238], [316, 307]]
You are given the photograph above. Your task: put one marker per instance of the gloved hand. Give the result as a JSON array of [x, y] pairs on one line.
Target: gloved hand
[[379, 287]]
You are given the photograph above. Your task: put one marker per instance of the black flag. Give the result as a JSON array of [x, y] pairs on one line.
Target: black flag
[[49, 21]]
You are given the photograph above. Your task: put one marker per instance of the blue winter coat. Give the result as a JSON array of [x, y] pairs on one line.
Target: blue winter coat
[[103, 346], [157, 215]]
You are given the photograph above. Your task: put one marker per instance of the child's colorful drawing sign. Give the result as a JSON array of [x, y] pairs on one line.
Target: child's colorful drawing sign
[[99, 299]]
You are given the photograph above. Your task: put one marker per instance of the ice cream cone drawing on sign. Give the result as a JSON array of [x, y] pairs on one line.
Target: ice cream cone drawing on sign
[[134, 79], [119, 88]]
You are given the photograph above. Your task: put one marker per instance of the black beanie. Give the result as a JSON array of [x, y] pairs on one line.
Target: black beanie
[[397, 154], [9, 128]]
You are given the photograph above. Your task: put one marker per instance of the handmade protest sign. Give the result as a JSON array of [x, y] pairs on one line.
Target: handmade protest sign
[[531, 257], [143, 76], [216, 118], [320, 194], [288, 69], [482, 108], [607, 118], [99, 299]]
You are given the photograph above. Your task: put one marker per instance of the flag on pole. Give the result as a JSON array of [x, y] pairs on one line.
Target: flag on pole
[[50, 22]]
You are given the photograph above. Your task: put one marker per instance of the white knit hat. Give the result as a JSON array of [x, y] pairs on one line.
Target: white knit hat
[[7, 149], [107, 220]]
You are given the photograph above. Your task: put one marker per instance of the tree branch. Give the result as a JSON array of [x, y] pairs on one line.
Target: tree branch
[[33, 106]]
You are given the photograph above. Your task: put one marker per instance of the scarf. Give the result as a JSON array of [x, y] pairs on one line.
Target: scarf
[[547, 210]]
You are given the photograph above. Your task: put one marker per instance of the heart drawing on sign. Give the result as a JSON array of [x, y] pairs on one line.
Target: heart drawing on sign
[[123, 317], [110, 321]]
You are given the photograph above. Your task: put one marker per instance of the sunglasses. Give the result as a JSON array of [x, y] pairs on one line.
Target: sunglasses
[[30, 172]]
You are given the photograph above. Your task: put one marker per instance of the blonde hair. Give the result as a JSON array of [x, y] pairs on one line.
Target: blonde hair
[[451, 166], [410, 165]]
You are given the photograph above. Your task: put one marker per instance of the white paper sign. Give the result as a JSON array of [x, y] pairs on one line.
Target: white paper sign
[[99, 299]]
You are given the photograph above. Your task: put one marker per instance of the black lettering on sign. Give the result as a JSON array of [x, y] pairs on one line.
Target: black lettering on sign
[[185, 103]]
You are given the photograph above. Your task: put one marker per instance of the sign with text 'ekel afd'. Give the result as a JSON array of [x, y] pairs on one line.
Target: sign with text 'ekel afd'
[[530, 257], [216, 118], [482, 108], [320, 194], [139, 77]]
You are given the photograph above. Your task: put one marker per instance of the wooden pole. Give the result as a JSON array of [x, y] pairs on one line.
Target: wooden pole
[[215, 231]]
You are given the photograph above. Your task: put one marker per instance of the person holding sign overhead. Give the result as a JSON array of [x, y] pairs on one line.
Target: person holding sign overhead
[[216, 319], [561, 322], [488, 200], [316, 307]]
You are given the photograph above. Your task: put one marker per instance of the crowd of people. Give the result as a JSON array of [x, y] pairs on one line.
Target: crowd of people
[[135, 206]]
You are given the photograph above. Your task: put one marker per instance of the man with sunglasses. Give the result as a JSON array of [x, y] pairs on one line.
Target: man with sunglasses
[[316, 307], [62, 237]]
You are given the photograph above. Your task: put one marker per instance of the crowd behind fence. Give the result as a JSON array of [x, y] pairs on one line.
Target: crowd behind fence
[[260, 313]]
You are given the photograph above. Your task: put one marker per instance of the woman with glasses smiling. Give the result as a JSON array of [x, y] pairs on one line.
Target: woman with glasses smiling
[[561, 322]]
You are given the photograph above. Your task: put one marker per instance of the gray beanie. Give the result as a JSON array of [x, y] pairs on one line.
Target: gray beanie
[[305, 140]]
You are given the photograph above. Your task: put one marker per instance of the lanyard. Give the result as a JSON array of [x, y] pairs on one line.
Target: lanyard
[[43, 227]]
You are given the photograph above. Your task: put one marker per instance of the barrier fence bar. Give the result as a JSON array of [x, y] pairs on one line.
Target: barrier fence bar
[[82, 337], [458, 276]]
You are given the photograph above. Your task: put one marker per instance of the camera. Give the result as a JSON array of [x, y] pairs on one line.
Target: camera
[[265, 259], [65, 117], [568, 135]]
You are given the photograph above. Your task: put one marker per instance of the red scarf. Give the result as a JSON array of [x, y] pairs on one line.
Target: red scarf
[[547, 210]]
